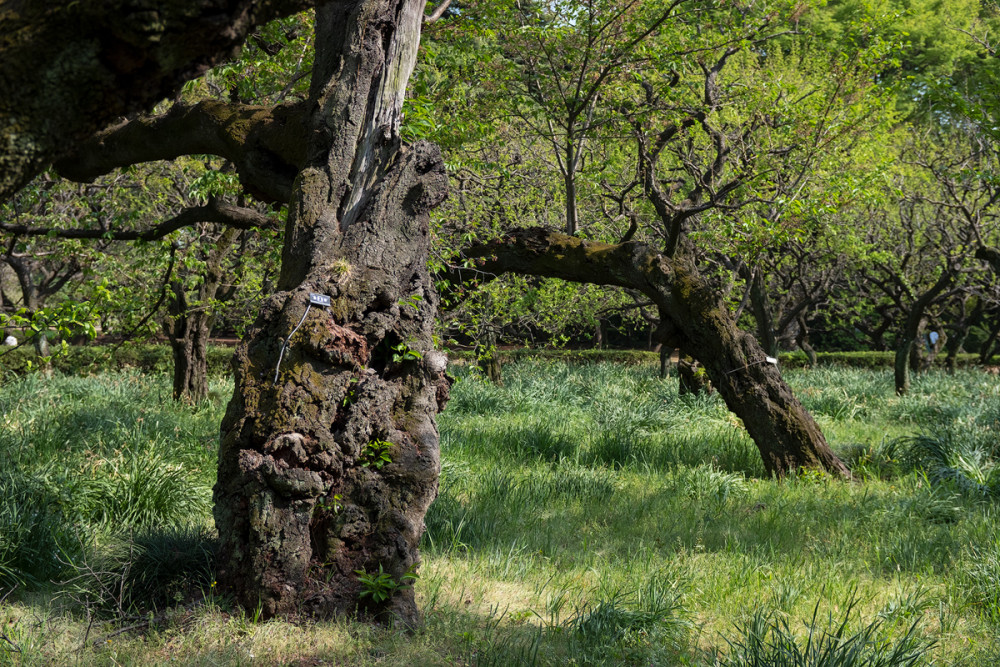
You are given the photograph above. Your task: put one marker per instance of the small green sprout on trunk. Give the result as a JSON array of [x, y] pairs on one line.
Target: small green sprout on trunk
[[381, 586], [376, 454]]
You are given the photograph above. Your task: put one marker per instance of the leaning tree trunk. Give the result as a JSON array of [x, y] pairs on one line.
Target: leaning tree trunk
[[693, 318], [330, 454], [761, 306], [786, 435]]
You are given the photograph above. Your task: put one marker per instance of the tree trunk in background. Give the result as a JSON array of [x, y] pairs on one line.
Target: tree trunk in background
[[570, 182], [961, 330], [986, 350], [189, 327], [488, 358], [33, 297], [761, 306], [901, 368], [802, 340], [917, 350], [190, 352], [305, 495], [910, 334], [693, 318]]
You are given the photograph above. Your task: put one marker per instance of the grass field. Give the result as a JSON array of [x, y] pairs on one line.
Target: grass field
[[587, 515]]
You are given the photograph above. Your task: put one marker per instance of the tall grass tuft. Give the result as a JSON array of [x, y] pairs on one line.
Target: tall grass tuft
[[140, 488], [149, 570], [955, 461], [88, 462], [38, 526], [766, 640], [619, 616], [979, 580]]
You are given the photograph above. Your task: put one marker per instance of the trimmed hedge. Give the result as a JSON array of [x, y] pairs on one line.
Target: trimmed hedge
[[795, 359], [865, 359], [94, 359], [626, 357]]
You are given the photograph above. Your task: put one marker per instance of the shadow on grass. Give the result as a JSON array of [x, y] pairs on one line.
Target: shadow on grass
[[144, 573], [542, 512]]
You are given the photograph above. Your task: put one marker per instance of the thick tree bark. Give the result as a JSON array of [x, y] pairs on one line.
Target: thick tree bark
[[330, 454], [71, 67], [692, 318]]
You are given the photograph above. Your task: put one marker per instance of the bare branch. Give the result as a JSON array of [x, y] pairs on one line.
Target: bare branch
[[437, 13], [225, 214]]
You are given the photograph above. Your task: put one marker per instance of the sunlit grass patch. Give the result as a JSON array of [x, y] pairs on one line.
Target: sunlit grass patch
[[586, 514]]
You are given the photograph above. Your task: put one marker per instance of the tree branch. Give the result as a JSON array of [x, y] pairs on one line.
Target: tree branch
[[437, 13], [225, 214], [266, 144], [70, 67]]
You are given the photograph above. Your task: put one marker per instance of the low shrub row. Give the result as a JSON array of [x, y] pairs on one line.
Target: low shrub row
[[866, 359], [94, 359], [624, 357], [795, 359]]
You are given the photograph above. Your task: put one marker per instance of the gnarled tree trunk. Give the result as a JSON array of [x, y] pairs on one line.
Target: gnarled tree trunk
[[694, 319], [328, 463]]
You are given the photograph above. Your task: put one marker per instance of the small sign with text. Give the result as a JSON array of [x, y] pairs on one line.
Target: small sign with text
[[319, 299]]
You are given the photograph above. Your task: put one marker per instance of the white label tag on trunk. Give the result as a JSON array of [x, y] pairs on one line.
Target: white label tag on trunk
[[319, 299], [772, 360]]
